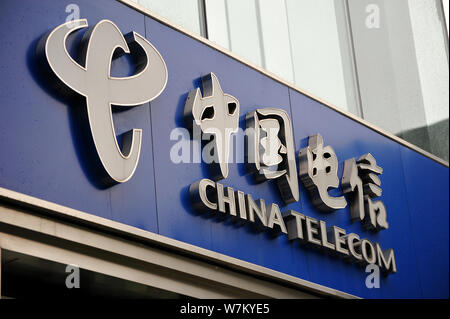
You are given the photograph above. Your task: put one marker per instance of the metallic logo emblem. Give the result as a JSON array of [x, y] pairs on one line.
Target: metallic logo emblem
[[93, 80]]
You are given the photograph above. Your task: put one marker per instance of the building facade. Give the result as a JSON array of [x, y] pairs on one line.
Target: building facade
[[224, 149]]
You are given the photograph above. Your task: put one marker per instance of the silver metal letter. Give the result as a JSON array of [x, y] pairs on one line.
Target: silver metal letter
[[352, 185], [371, 257], [294, 222], [228, 199], [353, 247], [318, 172], [361, 182], [215, 113], [386, 259], [240, 199], [311, 230], [324, 236], [339, 239], [259, 211], [276, 218], [270, 152], [199, 195]]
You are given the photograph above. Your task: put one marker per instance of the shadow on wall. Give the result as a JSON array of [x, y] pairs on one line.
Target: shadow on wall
[[432, 138]]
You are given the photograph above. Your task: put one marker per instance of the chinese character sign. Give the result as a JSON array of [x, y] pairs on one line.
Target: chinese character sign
[[270, 150], [217, 114], [270, 155], [318, 173], [361, 182]]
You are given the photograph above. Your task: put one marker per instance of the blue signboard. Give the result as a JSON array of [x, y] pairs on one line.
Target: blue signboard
[[48, 152]]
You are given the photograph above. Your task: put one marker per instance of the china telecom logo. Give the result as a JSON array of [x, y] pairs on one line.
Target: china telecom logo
[[100, 44]]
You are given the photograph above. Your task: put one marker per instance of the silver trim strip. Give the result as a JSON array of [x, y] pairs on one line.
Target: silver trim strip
[[117, 228], [215, 46], [53, 239]]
